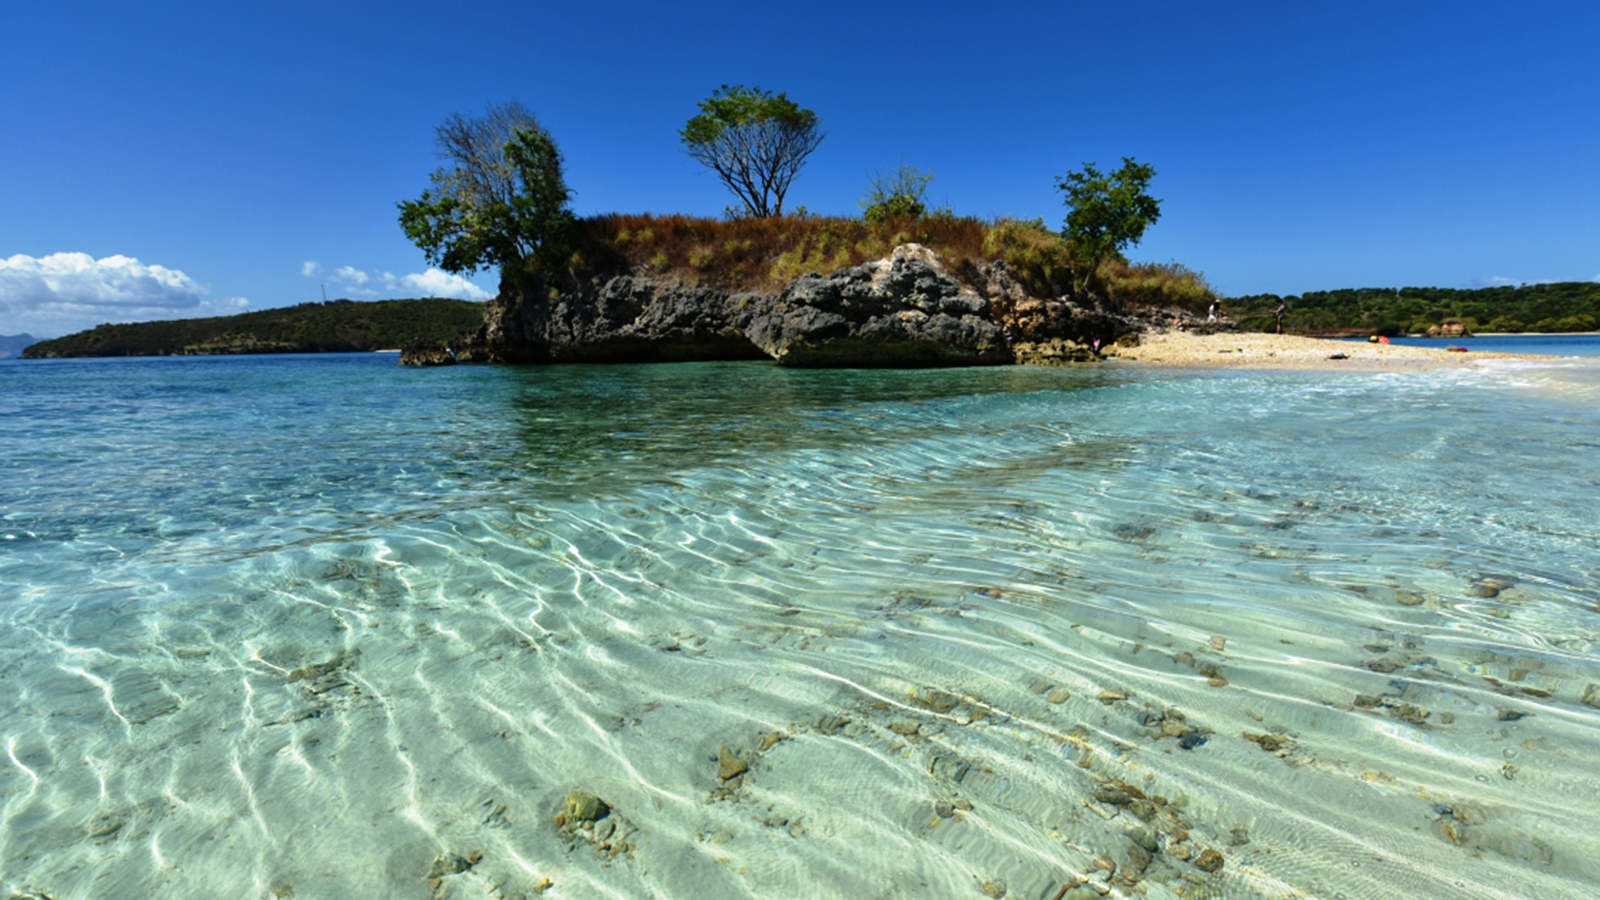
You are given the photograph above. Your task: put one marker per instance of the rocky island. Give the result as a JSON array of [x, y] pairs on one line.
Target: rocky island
[[906, 309]]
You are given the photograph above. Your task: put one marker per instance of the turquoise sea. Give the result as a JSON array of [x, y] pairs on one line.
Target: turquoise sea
[[1539, 344], [324, 627]]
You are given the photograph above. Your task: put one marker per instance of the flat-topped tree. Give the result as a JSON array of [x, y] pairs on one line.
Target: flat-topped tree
[[500, 201], [1107, 211], [755, 141]]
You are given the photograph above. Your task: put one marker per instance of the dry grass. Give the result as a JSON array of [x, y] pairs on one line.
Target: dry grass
[[764, 254], [1157, 284], [755, 254]]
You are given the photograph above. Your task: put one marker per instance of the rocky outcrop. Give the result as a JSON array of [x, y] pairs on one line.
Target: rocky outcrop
[[1054, 352], [423, 352], [1051, 330], [1449, 328], [905, 310], [901, 311], [608, 320]]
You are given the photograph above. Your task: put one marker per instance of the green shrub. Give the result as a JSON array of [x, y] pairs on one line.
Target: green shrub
[[894, 207], [895, 196]]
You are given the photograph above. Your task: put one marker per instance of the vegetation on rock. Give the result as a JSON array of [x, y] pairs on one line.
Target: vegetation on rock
[[748, 254], [755, 141], [337, 326], [1108, 212], [500, 202], [899, 194]]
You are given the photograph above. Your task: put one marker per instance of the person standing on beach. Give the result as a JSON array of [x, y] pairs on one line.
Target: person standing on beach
[[1216, 310], [1280, 312]]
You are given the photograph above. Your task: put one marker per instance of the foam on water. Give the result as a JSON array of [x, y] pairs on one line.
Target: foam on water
[[305, 627]]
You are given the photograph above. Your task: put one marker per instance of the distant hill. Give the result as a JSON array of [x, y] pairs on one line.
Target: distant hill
[[335, 326], [1554, 307], [13, 344]]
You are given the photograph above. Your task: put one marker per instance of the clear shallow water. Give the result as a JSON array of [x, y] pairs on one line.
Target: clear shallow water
[[297, 626], [1543, 344]]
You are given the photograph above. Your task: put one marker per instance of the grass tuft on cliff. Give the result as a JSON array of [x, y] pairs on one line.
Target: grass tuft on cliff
[[759, 254]]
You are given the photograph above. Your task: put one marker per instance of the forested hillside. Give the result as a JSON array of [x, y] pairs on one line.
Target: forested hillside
[[1558, 307], [339, 325]]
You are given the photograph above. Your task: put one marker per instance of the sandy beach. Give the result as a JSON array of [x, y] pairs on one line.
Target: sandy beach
[[1284, 351]]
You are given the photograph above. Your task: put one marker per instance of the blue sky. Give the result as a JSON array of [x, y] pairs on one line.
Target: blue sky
[[167, 159]]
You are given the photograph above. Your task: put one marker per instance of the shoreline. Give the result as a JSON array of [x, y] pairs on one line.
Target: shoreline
[[1478, 334], [1252, 350], [1466, 337]]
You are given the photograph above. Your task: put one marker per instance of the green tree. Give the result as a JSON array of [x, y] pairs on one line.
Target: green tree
[[1107, 212], [755, 141], [500, 201], [899, 194]]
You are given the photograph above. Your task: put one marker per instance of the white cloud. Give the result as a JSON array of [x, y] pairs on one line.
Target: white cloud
[[351, 275], [49, 296], [436, 283], [1498, 281], [360, 284], [311, 268]]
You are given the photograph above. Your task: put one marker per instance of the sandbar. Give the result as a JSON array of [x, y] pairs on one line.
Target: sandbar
[[1252, 350]]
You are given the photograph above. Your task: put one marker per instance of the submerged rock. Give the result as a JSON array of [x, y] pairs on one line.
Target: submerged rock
[[729, 765], [448, 864], [582, 806]]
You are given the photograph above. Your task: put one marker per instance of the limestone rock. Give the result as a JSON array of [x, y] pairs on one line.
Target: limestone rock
[[1054, 352], [618, 319], [424, 352], [1449, 328], [905, 310]]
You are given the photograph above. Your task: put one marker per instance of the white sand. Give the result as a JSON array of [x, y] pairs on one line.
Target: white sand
[[1252, 350]]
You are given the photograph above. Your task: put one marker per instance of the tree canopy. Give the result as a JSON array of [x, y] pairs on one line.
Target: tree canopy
[[500, 201], [755, 141], [1107, 212]]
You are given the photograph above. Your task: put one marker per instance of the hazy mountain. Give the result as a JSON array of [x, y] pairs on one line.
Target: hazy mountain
[[12, 345]]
